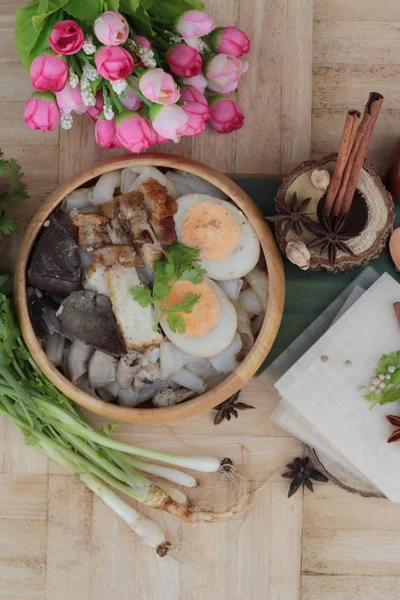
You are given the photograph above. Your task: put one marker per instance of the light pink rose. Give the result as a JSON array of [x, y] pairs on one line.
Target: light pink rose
[[94, 111], [133, 132], [184, 61], [190, 94], [105, 134], [70, 99], [143, 41], [48, 73], [229, 40], [225, 115], [129, 98], [169, 121], [199, 82], [41, 112], [223, 72], [158, 86], [198, 115], [66, 38], [114, 63], [111, 28], [194, 23]]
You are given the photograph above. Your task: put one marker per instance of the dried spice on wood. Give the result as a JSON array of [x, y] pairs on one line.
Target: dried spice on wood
[[293, 213], [302, 471]]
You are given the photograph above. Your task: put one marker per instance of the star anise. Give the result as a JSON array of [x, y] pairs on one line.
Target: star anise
[[330, 236], [302, 471], [293, 213], [395, 421], [228, 408]]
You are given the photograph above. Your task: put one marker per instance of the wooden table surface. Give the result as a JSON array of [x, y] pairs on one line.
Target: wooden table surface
[[310, 62]]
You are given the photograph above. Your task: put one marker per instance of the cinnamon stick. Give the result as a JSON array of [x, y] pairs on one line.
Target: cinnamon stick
[[346, 143], [371, 113], [347, 172]]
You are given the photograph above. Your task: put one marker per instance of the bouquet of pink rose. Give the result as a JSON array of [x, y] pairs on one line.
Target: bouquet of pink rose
[[155, 71]]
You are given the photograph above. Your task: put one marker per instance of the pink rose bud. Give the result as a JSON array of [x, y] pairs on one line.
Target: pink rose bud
[[66, 38], [111, 28], [70, 99], [190, 94], [194, 23], [225, 115], [199, 82], [158, 86], [41, 112], [156, 138], [198, 115], [133, 132], [105, 134], [184, 61], [229, 40], [223, 72], [114, 63], [143, 41], [129, 98], [48, 73], [170, 122], [94, 111]]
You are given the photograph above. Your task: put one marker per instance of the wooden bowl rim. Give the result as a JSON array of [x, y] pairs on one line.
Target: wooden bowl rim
[[248, 366]]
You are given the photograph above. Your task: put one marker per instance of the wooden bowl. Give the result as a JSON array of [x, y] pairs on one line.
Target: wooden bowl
[[249, 365]]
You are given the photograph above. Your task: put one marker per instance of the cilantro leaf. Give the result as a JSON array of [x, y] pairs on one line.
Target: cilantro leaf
[[15, 194], [142, 295], [187, 305], [176, 322], [3, 163], [7, 225], [193, 275]]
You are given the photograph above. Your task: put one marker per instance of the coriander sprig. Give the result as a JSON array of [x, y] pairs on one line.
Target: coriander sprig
[[16, 192], [179, 263]]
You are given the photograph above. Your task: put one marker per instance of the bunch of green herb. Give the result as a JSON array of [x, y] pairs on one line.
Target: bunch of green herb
[[179, 263], [105, 465], [15, 193], [388, 371]]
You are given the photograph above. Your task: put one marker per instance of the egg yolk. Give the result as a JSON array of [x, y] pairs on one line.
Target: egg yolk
[[206, 312], [212, 229]]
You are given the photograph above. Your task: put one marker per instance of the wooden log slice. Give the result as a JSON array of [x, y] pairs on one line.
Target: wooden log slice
[[378, 207], [336, 473]]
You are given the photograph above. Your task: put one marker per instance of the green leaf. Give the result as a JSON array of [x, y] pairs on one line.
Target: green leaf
[[142, 23], [142, 295], [111, 4], [7, 225], [24, 34], [107, 429], [6, 284], [176, 323], [85, 10], [3, 163], [193, 275], [46, 9], [166, 11], [386, 360], [129, 7], [187, 305]]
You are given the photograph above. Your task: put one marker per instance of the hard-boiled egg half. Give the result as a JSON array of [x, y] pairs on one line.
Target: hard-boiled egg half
[[211, 325], [228, 245]]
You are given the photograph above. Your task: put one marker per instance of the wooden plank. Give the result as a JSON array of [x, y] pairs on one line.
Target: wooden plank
[[20, 458], [23, 497], [321, 587], [356, 10], [22, 558], [330, 507], [297, 50], [351, 552], [69, 539]]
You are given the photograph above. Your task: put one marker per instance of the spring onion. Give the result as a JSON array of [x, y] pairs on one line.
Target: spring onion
[[51, 421]]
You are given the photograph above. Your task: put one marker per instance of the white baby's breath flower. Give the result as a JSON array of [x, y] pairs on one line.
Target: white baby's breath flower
[[66, 121], [87, 93], [119, 86], [73, 79], [88, 46], [90, 72], [108, 113]]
